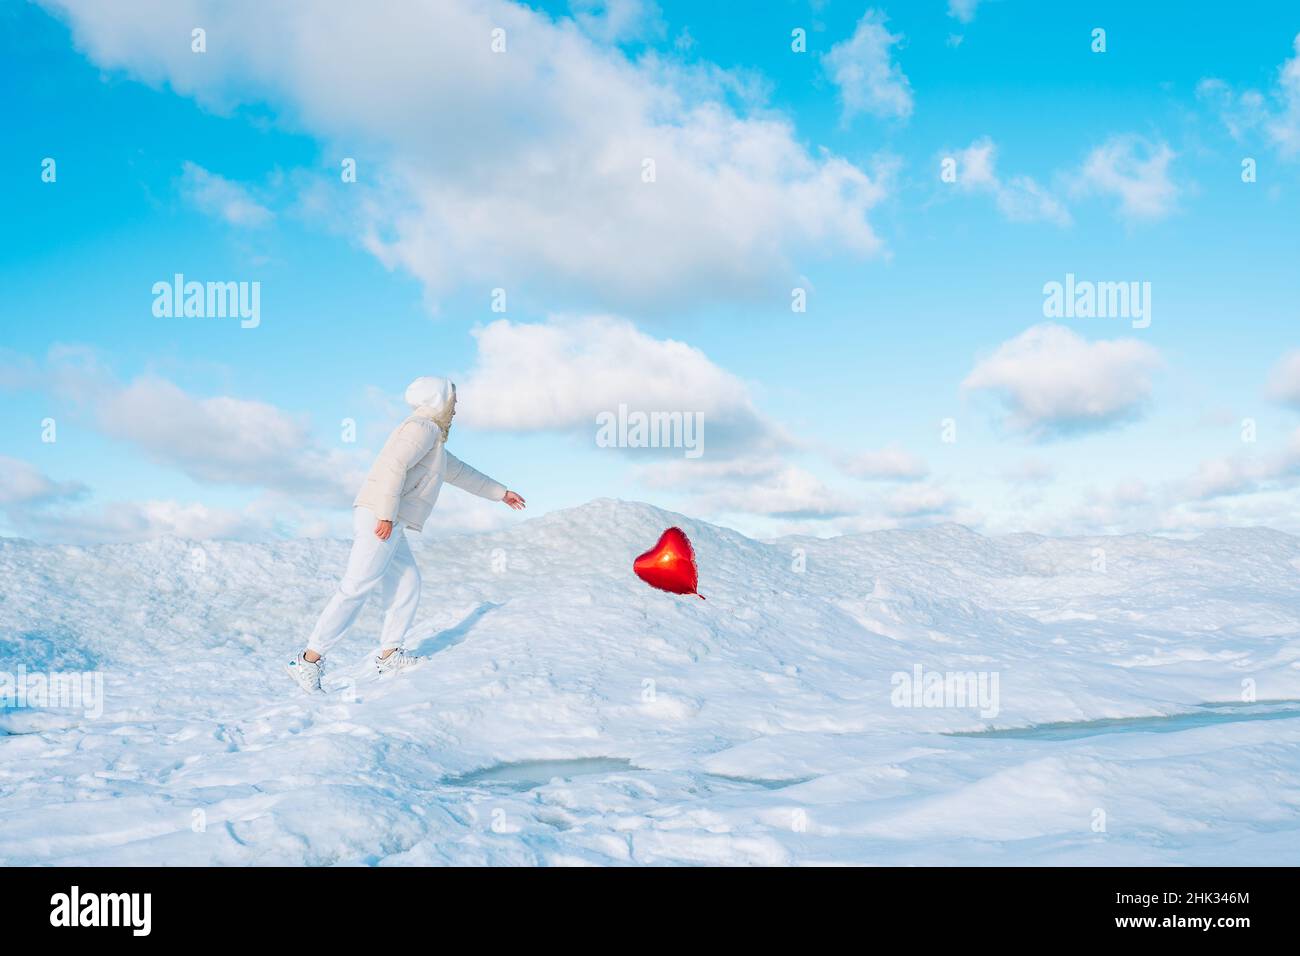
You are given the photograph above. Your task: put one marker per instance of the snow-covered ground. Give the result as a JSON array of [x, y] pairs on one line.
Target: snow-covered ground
[[761, 726]]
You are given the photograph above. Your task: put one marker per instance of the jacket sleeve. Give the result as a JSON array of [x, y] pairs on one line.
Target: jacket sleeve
[[403, 449], [469, 479]]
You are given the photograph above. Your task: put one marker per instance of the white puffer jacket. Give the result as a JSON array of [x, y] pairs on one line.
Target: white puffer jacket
[[405, 479]]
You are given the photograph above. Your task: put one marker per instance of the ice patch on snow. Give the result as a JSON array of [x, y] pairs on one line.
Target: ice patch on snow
[[531, 774], [1207, 716]]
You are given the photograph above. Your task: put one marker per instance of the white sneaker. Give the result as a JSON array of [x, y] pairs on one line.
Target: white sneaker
[[396, 662], [306, 674]]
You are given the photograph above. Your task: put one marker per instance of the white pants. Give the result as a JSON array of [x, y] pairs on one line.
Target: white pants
[[372, 563]]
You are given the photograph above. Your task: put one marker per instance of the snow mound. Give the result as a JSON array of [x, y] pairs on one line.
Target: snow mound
[[570, 714]]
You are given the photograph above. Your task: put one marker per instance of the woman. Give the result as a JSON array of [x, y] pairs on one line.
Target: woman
[[398, 494]]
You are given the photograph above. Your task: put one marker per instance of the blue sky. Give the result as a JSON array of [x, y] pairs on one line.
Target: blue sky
[[523, 169]]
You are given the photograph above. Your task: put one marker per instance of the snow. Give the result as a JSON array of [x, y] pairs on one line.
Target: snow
[[569, 714]]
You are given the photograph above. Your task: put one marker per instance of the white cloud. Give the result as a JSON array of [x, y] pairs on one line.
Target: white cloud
[[1275, 111], [1217, 477], [1275, 508], [1239, 112], [1135, 172], [1284, 380], [1020, 198], [868, 80], [226, 440], [141, 521], [1030, 471], [891, 463], [17, 371], [217, 196], [23, 485], [790, 492], [1052, 381], [918, 501], [1245, 474], [39, 507], [1131, 493], [615, 21], [963, 10], [523, 167], [1121, 506], [72, 372], [1255, 487], [1284, 125], [560, 374], [753, 485], [221, 439]]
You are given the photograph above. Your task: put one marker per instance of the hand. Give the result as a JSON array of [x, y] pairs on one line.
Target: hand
[[383, 529], [514, 501]]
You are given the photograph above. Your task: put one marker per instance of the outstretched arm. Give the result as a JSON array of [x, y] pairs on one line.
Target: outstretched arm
[[476, 483]]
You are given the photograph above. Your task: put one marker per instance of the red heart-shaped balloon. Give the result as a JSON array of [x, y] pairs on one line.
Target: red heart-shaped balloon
[[670, 564]]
